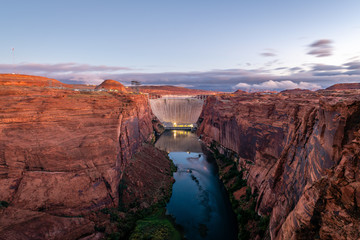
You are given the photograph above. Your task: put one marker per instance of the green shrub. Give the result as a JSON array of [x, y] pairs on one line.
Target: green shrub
[[114, 236], [155, 227], [114, 217], [99, 228], [263, 225], [243, 234], [248, 193], [4, 204], [105, 211], [173, 167]]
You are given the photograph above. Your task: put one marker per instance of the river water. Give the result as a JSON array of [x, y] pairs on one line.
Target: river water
[[199, 202]]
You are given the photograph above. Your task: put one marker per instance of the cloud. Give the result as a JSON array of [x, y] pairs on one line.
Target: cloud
[[328, 73], [217, 79], [347, 69], [321, 48], [355, 72], [220, 80], [268, 54], [243, 85], [321, 43], [59, 68], [327, 70], [295, 69], [278, 85], [184, 85], [323, 67], [352, 65]]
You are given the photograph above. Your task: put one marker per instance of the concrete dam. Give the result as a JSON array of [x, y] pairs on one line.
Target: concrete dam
[[177, 112]]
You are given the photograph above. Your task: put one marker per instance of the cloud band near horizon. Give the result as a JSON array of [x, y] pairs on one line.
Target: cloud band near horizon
[[318, 76]]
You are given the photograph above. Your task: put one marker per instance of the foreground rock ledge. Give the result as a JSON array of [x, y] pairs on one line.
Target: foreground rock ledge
[[62, 155]]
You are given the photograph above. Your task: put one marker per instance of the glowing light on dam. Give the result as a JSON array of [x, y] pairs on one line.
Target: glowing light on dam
[[177, 111]]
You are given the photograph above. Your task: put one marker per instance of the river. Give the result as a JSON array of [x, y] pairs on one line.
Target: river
[[199, 201]]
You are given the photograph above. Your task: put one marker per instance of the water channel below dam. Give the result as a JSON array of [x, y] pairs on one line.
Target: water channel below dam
[[199, 201]]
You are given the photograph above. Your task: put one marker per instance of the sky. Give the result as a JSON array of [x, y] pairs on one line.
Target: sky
[[208, 44]]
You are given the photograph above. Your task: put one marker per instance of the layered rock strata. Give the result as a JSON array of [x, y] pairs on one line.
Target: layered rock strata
[[111, 85], [301, 153], [62, 155], [28, 80]]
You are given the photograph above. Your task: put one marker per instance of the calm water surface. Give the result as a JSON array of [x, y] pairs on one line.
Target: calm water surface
[[199, 202]]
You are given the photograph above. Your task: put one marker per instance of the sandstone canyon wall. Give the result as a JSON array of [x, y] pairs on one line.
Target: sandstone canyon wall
[[62, 155], [301, 153]]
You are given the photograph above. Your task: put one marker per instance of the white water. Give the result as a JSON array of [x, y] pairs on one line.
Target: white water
[[177, 110]]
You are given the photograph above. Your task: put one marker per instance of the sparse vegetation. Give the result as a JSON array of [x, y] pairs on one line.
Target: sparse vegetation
[[155, 226], [4, 204], [250, 223], [173, 167], [149, 223], [132, 222]]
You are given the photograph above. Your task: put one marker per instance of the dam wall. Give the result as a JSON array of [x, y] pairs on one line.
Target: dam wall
[[177, 110]]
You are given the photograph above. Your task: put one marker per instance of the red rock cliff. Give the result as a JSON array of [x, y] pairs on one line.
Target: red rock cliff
[[62, 154], [301, 152]]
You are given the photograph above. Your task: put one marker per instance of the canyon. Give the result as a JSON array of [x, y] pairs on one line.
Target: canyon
[[70, 157], [299, 151]]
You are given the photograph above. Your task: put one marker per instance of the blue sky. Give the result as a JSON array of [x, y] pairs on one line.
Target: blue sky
[[208, 44]]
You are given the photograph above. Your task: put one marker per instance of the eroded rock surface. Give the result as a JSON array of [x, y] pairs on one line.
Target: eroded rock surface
[[28, 80], [63, 154], [112, 85], [301, 153]]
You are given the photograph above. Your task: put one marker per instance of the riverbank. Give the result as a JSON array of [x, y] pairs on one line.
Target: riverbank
[[243, 200], [144, 191]]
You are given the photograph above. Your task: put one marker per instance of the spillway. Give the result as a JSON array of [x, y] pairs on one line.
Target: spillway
[[183, 110]]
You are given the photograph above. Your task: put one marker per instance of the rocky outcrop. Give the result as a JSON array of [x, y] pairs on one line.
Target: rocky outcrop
[[62, 156], [28, 80], [112, 85], [148, 179], [301, 154], [344, 86]]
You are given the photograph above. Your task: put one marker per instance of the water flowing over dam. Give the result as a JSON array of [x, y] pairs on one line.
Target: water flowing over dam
[[177, 111]]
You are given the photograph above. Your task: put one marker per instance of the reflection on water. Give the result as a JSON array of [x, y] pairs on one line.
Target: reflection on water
[[178, 141], [199, 202]]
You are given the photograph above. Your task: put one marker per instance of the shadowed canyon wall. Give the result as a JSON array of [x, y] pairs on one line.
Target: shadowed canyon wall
[[300, 152], [177, 109], [62, 155]]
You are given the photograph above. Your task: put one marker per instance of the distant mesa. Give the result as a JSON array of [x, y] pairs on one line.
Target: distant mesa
[[111, 85], [28, 80], [344, 86], [171, 90], [240, 91], [296, 91]]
